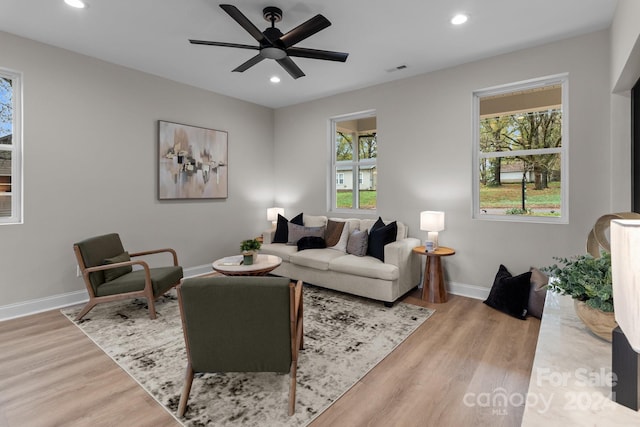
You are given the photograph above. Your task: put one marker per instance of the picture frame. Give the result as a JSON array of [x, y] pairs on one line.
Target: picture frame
[[192, 162]]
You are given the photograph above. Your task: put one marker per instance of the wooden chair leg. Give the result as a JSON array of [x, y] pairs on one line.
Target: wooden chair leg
[[87, 308], [292, 388], [188, 380], [151, 302]]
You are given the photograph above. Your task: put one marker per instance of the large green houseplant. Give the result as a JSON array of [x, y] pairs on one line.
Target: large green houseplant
[[588, 281]]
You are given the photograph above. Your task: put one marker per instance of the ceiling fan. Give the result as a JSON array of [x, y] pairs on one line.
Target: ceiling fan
[[274, 44]]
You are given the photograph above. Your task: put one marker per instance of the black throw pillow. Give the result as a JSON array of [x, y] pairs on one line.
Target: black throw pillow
[[282, 228], [311, 242], [510, 294], [379, 236]]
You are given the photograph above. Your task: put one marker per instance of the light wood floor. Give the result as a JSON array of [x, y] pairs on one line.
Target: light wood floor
[[444, 374]]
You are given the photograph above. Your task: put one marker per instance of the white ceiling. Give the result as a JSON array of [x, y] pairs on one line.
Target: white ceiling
[[379, 35]]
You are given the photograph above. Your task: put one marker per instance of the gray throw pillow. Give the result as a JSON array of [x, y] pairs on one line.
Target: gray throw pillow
[[297, 232], [357, 243], [537, 292]]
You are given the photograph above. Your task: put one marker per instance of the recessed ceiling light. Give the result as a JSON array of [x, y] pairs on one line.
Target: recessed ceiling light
[[76, 3], [275, 79], [459, 19]]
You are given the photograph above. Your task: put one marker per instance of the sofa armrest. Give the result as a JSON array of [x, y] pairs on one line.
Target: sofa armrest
[[267, 236], [400, 254]]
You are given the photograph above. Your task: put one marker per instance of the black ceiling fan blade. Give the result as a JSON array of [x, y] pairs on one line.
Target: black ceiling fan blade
[[291, 67], [305, 30], [244, 22], [250, 63], [208, 43], [302, 52]]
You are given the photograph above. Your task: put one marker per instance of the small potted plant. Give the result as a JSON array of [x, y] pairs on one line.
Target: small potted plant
[[588, 281], [249, 249]]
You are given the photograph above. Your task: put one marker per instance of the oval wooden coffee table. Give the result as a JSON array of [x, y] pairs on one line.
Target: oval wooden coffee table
[[262, 265]]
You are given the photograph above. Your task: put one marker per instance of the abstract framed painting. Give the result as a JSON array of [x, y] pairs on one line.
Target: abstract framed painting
[[192, 162]]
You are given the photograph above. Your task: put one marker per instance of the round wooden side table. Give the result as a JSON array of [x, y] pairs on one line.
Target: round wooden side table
[[433, 288]]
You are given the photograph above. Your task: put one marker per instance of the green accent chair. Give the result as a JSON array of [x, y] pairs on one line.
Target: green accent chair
[[109, 276], [241, 324]]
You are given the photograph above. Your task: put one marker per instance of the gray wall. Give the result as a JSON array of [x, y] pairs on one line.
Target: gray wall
[[425, 150], [625, 71], [90, 142], [90, 139]]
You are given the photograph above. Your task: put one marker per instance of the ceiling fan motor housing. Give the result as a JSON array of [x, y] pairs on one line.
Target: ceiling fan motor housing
[[272, 14]]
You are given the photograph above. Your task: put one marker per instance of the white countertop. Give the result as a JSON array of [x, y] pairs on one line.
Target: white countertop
[[571, 376]]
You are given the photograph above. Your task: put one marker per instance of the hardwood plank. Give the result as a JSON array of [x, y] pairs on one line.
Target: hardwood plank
[[52, 374], [464, 349]]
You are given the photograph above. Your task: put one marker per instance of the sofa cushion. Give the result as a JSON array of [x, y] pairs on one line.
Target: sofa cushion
[[282, 228], [314, 220], [297, 232], [379, 236], [315, 258], [365, 266], [279, 249], [357, 243]]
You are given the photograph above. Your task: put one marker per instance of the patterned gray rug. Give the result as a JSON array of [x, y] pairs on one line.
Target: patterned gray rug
[[345, 336]]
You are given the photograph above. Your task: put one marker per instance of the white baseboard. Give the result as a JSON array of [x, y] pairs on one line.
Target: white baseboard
[[198, 269], [25, 308], [39, 305], [471, 291]]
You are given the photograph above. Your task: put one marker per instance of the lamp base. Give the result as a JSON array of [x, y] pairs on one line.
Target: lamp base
[[432, 236], [625, 365]]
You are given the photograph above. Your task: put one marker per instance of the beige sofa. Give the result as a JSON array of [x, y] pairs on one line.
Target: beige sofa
[[359, 275]]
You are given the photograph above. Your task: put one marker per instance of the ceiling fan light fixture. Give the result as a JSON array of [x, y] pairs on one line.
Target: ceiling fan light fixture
[[78, 4], [459, 19], [273, 53]]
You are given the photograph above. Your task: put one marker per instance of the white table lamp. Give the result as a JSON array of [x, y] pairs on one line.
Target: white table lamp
[[625, 275], [432, 222], [272, 215]]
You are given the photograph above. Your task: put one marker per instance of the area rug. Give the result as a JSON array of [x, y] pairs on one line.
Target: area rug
[[345, 337]]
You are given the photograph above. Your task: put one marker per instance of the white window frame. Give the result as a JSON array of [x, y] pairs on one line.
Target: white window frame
[[340, 178], [561, 79], [355, 165], [16, 149]]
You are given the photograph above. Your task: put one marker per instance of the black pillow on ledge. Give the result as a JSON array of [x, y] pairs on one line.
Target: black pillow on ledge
[[282, 228], [510, 294]]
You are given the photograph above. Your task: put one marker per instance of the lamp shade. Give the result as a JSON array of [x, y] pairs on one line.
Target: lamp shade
[[625, 275], [432, 221], [272, 213]]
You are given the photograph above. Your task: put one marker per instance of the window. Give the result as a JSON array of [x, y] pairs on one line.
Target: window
[[520, 151], [354, 153], [10, 148]]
